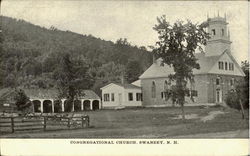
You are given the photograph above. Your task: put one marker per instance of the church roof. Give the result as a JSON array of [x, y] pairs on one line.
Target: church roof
[[157, 70], [206, 63]]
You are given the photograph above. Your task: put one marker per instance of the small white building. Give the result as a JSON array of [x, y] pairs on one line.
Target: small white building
[[116, 95]]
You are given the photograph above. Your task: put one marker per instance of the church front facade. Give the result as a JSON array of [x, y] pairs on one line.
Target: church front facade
[[219, 73]]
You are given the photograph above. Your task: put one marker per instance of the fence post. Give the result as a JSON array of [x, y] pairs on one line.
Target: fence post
[[12, 124], [68, 123], [44, 123], [82, 121], [87, 120]]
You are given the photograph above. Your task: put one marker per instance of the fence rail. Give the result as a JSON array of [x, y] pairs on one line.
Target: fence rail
[[42, 122]]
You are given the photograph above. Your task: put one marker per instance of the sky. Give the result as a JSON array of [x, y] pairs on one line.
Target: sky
[[134, 20]]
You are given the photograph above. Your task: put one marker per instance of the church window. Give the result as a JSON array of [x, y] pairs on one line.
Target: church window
[[153, 90], [218, 81], [166, 85], [225, 65], [138, 96], [221, 65], [222, 32], [213, 32], [231, 66], [194, 93], [232, 82]]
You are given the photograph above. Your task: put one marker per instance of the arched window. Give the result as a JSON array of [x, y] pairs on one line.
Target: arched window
[[166, 85], [153, 90]]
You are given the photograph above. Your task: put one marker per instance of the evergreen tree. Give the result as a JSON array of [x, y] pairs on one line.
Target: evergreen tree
[[22, 100], [72, 78]]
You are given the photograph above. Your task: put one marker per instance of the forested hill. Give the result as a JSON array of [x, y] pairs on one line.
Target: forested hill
[[29, 55]]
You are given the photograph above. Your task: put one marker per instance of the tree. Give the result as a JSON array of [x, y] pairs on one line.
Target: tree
[[239, 98], [72, 78], [176, 46], [133, 71], [22, 101]]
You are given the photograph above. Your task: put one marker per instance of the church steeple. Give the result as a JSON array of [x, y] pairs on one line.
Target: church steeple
[[219, 37]]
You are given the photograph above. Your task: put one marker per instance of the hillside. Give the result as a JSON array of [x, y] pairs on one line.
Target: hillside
[[29, 55]]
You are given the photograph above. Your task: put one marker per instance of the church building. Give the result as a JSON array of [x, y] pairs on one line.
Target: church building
[[219, 72]]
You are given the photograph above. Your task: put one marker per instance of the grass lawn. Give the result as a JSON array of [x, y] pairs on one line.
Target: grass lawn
[[148, 123]]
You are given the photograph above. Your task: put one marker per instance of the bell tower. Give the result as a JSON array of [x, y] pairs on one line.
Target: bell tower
[[219, 36]]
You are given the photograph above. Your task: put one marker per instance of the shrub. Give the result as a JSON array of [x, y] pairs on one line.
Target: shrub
[[232, 100]]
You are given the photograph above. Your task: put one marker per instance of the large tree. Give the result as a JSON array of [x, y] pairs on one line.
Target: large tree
[[72, 78], [176, 46]]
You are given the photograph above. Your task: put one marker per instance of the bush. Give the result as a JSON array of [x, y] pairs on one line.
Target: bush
[[22, 100], [232, 100]]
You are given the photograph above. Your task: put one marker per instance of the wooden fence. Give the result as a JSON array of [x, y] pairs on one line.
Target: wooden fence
[[42, 123]]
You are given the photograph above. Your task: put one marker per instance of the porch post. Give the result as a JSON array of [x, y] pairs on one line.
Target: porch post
[[91, 104], [100, 104], [41, 105], [73, 105], [63, 104], [53, 106], [82, 100]]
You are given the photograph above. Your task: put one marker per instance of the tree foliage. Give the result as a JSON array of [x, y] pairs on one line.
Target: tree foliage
[[241, 92], [22, 100], [29, 54], [176, 46], [133, 71], [72, 78]]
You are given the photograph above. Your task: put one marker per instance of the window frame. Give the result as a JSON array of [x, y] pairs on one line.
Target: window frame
[[138, 96], [112, 97], [213, 32], [153, 90], [130, 98]]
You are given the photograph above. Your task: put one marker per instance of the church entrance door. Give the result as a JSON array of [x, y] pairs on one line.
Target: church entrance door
[[218, 96]]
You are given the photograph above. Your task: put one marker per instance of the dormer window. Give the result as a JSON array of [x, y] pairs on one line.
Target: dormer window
[[222, 32], [225, 65], [231, 66], [213, 32], [221, 65]]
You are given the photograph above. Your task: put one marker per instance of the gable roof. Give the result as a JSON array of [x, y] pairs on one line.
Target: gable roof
[[137, 83], [156, 70], [125, 86], [46, 93], [205, 62]]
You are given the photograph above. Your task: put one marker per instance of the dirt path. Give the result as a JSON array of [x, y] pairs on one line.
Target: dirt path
[[211, 115]]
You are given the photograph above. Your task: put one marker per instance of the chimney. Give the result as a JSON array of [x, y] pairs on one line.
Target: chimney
[[122, 79]]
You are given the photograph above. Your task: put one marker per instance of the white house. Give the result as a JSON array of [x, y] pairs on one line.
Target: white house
[[116, 95]]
